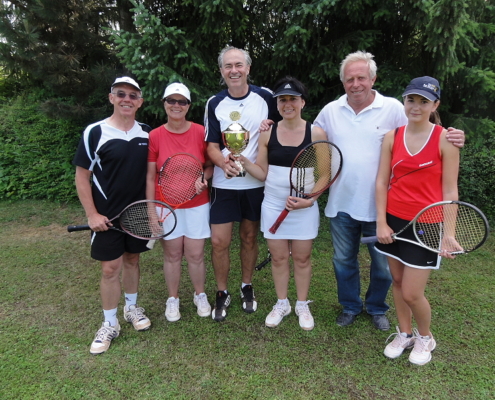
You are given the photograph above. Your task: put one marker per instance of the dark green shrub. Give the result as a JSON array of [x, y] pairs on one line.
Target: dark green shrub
[[36, 153], [477, 172]]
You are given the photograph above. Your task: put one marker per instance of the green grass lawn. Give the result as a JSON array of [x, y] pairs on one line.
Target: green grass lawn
[[50, 311]]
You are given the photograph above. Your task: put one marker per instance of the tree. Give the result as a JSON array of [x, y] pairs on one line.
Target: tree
[[62, 48]]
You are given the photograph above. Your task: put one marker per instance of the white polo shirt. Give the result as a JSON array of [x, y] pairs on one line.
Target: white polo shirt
[[359, 137]]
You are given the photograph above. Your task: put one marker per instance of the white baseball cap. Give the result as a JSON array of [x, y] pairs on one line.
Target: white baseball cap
[[178, 88], [126, 80]]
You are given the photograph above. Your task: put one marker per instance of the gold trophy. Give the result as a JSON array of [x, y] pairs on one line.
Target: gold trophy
[[236, 138]]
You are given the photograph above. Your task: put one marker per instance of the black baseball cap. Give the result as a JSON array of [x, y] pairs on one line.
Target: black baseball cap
[[286, 89]]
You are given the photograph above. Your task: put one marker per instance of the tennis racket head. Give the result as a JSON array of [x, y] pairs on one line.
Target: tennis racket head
[[177, 178], [315, 168], [148, 219], [454, 226]]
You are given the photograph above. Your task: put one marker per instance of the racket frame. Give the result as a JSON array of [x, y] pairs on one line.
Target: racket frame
[[161, 176], [76, 228], [395, 236], [273, 229]]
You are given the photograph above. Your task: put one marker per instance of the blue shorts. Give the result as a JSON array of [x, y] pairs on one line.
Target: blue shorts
[[235, 205]]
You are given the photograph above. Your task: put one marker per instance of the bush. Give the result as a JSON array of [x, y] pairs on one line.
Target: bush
[[477, 172], [37, 153]]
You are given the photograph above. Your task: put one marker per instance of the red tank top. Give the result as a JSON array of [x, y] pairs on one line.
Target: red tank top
[[415, 180]]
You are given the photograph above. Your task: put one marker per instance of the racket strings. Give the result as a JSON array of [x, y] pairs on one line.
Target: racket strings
[[144, 219], [177, 179], [452, 227], [314, 168]]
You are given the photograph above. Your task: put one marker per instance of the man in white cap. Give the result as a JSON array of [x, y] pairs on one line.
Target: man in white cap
[[111, 164]]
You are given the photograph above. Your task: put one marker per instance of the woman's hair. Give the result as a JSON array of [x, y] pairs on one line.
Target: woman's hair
[[435, 117], [298, 85], [359, 56]]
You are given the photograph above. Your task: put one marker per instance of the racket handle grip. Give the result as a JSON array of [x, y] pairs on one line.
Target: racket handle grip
[[262, 264], [369, 239], [75, 228], [279, 220]]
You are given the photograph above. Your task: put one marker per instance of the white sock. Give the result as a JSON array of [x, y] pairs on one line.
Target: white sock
[[244, 284], [130, 299], [283, 301], [111, 316], [300, 303]]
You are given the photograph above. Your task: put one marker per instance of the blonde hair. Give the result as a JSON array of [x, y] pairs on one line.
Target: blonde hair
[[359, 56]]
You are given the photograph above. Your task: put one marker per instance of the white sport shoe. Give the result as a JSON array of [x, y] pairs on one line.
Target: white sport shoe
[[172, 309], [306, 320], [397, 346], [423, 346], [201, 302], [280, 310], [136, 315], [104, 337]]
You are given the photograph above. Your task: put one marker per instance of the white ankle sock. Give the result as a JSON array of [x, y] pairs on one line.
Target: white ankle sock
[[130, 299], [111, 316]]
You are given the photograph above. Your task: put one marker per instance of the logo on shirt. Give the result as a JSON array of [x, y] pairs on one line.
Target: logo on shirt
[[143, 144], [426, 163], [235, 115]]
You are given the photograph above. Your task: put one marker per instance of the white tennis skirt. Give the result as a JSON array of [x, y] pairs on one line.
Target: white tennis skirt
[[193, 223]]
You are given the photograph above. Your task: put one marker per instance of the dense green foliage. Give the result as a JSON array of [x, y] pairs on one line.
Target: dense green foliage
[[36, 153], [68, 52]]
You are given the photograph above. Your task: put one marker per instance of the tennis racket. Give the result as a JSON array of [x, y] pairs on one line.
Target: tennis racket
[[144, 219], [177, 179], [313, 170], [454, 226]]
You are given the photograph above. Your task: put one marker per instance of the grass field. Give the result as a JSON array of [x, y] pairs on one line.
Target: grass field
[[50, 311]]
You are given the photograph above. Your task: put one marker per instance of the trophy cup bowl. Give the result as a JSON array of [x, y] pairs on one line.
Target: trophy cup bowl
[[236, 138]]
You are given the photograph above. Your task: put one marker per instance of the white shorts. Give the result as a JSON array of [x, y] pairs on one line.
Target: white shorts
[[193, 223]]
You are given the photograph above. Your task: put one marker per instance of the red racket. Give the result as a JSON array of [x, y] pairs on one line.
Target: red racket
[[144, 219], [177, 179], [313, 170]]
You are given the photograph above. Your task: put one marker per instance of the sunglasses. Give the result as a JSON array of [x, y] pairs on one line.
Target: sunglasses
[[174, 101], [122, 95]]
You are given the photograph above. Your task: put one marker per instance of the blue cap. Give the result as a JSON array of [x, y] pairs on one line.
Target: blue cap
[[425, 86]]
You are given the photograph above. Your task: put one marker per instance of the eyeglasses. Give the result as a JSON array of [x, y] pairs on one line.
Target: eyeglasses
[[122, 95], [174, 101]]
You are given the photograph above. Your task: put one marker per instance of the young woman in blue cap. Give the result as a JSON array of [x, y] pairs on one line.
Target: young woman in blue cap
[[418, 166]]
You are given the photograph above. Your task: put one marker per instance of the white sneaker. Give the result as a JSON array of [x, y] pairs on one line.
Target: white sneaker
[[201, 301], [423, 346], [104, 337], [280, 310], [306, 320], [397, 346], [172, 309], [136, 315]]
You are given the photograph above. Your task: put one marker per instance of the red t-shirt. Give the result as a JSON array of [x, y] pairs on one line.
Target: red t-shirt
[[163, 144], [416, 179]]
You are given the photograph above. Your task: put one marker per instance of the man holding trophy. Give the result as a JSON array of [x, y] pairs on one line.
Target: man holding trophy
[[232, 120]]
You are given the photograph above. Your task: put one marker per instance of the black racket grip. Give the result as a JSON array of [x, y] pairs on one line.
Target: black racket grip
[[263, 263], [369, 239], [76, 228]]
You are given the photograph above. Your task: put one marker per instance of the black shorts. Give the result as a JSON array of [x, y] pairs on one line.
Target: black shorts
[[111, 244], [408, 253], [235, 205]]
